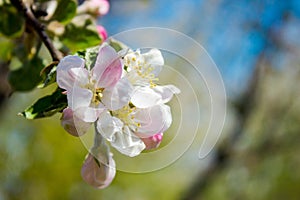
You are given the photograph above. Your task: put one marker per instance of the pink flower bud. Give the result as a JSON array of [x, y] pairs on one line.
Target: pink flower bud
[[72, 124], [103, 6], [99, 173], [153, 141], [96, 7], [102, 32]]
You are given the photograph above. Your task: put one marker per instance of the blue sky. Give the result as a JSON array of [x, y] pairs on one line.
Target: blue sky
[[233, 32]]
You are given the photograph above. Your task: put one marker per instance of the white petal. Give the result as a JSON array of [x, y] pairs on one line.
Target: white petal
[[80, 76], [79, 97], [63, 78], [145, 97], [118, 96], [108, 125], [166, 92], [79, 100], [153, 120], [119, 136], [127, 143], [88, 114], [155, 59]]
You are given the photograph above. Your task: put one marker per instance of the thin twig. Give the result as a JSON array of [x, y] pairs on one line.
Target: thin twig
[[38, 27]]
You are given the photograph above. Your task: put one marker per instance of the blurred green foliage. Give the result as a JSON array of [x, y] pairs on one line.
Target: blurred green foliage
[[265, 160], [23, 48], [39, 160]]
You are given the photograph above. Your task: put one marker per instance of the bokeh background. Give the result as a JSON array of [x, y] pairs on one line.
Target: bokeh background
[[255, 45]]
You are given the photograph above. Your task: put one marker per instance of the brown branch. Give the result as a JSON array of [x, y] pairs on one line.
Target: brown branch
[[224, 152], [38, 27]]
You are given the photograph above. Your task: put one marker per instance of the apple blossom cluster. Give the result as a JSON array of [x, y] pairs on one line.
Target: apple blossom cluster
[[97, 8], [121, 96]]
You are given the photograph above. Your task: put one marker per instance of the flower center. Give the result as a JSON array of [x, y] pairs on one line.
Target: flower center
[[125, 114], [97, 95], [143, 70], [97, 92]]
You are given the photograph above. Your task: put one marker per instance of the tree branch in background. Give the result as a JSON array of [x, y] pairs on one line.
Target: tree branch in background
[[222, 154], [38, 27]]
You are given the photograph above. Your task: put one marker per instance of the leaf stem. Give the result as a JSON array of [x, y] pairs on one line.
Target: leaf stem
[[38, 27]]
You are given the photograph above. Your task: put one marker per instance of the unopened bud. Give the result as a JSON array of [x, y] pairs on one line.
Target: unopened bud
[[153, 141]]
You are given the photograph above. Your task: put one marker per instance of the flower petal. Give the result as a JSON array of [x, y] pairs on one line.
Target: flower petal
[[145, 97], [63, 78], [119, 136], [166, 92], [107, 58], [80, 76], [73, 124], [154, 141], [79, 97], [127, 143], [111, 75], [108, 125], [99, 168], [88, 114], [155, 59], [156, 119], [118, 96]]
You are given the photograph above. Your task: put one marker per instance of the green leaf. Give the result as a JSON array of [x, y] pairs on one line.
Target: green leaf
[[47, 105], [6, 49], [28, 76], [118, 46], [65, 11], [78, 38], [49, 75], [11, 22], [89, 55]]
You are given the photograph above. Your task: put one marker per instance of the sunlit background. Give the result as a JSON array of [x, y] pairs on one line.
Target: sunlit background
[[255, 45]]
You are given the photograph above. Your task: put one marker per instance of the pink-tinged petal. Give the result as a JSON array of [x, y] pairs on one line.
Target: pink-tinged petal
[[166, 92], [118, 96], [111, 75], [107, 58], [103, 7], [153, 142], [79, 97], [155, 59], [98, 7], [102, 32], [145, 97], [156, 119], [99, 171], [63, 78], [94, 7], [72, 124]]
